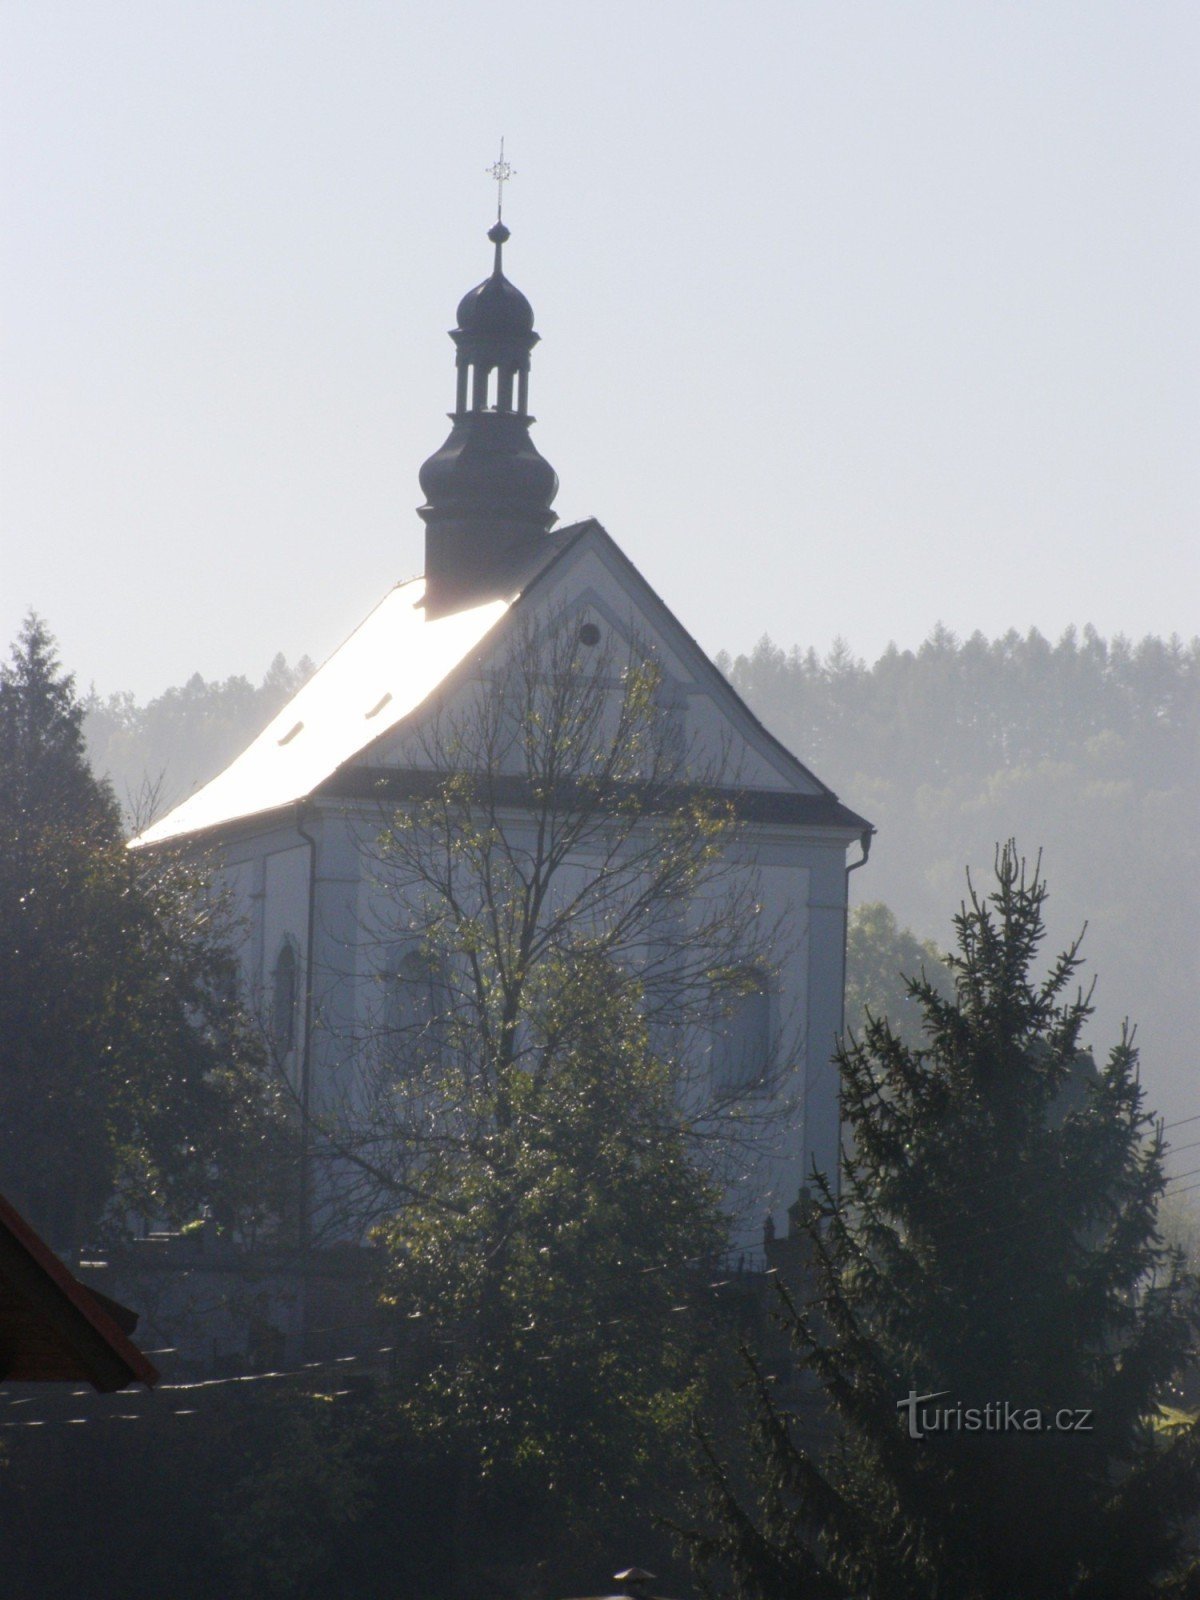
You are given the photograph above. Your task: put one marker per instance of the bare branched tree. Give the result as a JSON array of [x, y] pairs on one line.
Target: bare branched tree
[[563, 822]]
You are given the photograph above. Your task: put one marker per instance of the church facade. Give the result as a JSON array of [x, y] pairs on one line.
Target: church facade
[[291, 823]]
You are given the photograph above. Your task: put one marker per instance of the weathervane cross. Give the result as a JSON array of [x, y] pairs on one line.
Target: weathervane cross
[[501, 172]]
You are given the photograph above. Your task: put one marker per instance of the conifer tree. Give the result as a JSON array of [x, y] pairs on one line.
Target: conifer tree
[[45, 779], [129, 1076], [995, 1250]]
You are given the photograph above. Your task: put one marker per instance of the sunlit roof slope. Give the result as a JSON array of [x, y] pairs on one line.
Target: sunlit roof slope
[[387, 667]]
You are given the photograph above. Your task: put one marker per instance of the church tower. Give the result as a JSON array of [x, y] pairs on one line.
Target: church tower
[[488, 491]]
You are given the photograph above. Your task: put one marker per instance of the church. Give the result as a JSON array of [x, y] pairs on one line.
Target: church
[[290, 822]]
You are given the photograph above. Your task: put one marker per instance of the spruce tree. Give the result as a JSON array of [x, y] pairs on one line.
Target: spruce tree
[[994, 1247], [130, 1079], [45, 780]]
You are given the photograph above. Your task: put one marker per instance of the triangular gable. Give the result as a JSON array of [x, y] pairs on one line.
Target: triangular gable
[[589, 572], [688, 662]]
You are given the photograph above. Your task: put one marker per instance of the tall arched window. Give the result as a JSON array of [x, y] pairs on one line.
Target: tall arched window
[[742, 1048], [415, 1013], [284, 989]]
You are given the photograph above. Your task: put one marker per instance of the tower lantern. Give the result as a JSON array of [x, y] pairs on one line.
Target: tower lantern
[[488, 491]]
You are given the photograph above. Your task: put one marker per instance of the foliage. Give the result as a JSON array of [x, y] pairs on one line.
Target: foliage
[[878, 954], [129, 1078], [955, 708], [555, 1265], [235, 1490], [268, 1490], [996, 1242], [530, 1119], [297, 1519]]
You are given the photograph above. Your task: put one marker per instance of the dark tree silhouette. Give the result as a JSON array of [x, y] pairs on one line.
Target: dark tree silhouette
[[129, 1078], [995, 1245]]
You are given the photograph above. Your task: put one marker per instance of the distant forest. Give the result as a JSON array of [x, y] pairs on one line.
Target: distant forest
[[1086, 749]]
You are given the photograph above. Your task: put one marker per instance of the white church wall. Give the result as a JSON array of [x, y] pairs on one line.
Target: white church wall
[[238, 886], [804, 880], [826, 988], [337, 953], [360, 926]]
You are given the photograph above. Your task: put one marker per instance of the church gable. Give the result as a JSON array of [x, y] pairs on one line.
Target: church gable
[[589, 583], [595, 573], [369, 707]]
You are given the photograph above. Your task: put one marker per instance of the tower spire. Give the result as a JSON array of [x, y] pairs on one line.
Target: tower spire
[[488, 492]]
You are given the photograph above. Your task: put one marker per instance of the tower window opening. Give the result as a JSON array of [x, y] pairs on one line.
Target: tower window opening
[[479, 394]]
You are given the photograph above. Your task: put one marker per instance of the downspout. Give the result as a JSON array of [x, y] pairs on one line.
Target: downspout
[[865, 844], [305, 1199]]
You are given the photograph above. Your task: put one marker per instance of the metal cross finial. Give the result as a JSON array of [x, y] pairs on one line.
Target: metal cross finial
[[501, 172]]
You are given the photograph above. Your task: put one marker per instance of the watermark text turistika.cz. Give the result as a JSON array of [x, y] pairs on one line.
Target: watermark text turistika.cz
[[998, 1416]]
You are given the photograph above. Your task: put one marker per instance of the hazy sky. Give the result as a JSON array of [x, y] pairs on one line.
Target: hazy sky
[[855, 317]]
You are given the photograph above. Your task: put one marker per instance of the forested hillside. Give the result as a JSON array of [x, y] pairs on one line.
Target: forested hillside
[[1086, 749]]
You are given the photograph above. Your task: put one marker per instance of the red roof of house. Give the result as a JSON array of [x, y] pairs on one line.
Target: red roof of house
[[52, 1328]]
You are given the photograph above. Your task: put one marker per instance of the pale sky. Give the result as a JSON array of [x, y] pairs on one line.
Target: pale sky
[[855, 317]]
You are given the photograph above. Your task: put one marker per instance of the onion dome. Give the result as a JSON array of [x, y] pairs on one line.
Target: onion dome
[[495, 308]]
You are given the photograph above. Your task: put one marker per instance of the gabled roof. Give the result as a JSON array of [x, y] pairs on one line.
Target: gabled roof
[[391, 665], [386, 668], [53, 1328]]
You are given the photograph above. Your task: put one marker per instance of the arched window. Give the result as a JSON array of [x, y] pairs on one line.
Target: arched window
[[742, 1048], [284, 987], [415, 1012]]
